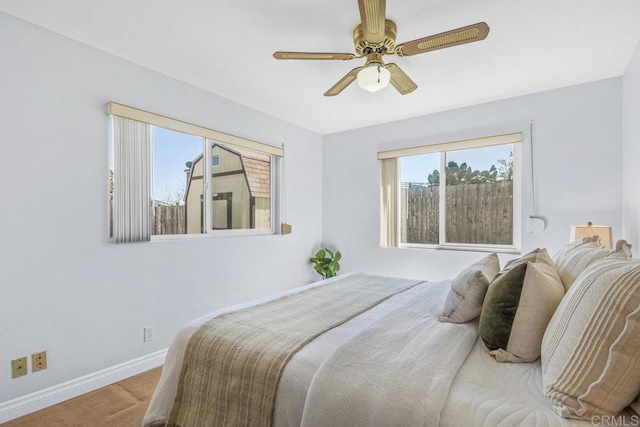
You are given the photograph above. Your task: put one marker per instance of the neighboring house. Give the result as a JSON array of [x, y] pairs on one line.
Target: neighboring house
[[241, 182]]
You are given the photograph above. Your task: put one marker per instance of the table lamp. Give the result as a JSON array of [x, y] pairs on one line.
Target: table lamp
[[602, 231]]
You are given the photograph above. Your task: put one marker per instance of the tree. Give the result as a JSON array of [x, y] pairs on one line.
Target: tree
[[172, 195], [463, 174], [505, 168], [111, 182], [434, 178]]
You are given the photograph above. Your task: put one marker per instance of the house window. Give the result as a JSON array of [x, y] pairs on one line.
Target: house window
[[171, 178], [458, 195]]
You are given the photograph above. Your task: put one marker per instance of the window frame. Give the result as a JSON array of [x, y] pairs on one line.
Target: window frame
[[209, 231], [209, 138], [514, 248]]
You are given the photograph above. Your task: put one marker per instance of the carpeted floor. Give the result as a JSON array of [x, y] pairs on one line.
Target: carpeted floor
[[122, 404]]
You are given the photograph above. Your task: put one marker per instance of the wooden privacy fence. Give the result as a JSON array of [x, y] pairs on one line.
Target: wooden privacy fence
[[475, 213], [168, 219]]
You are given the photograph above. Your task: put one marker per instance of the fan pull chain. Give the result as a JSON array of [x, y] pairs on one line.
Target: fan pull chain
[[378, 73]]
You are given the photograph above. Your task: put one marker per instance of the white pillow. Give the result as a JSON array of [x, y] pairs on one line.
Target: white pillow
[[468, 289]]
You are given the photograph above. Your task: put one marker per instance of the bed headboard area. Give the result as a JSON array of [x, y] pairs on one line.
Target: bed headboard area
[[579, 313]]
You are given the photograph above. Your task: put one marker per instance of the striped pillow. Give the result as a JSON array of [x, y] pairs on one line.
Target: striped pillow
[[464, 301], [518, 306], [635, 405], [591, 349], [593, 242], [574, 261]]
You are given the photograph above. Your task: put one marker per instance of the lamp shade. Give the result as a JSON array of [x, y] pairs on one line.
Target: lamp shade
[[588, 230], [373, 77]]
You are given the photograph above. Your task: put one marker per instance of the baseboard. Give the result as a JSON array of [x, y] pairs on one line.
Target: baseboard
[[59, 393]]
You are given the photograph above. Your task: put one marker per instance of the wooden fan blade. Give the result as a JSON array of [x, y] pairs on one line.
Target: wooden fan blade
[[400, 80], [468, 34], [313, 55], [343, 82], [372, 15]]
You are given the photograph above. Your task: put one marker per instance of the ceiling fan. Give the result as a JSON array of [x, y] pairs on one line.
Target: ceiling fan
[[376, 37]]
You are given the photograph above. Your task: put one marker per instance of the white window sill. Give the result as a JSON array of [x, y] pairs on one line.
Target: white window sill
[[501, 249], [213, 234]]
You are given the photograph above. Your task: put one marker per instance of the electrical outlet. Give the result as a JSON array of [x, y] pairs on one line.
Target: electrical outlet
[[148, 333], [19, 367], [38, 361]]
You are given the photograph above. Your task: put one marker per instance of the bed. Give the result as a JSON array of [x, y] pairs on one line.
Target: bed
[[444, 378]]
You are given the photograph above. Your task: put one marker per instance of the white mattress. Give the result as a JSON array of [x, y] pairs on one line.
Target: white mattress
[[487, 393], [499, 394]]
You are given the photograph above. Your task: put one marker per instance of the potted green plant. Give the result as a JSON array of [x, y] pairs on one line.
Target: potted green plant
[[326, 263]]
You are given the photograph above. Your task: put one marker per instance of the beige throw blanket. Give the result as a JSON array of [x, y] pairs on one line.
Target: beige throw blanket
[[233, 363]]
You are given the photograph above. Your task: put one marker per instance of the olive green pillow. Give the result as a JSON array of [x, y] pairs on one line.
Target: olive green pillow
[[518, 306]]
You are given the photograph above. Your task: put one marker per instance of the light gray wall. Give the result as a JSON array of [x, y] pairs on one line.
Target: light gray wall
[[578, 161], [631, 151], [63, 288]]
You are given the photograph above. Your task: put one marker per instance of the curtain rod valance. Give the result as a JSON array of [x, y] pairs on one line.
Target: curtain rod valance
[[508, 138], [131, 113]]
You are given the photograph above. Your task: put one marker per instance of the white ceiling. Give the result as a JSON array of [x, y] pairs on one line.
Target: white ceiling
[[225, 47]]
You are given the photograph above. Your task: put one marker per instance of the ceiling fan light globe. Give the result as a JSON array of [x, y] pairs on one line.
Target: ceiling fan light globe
[[373, 78]]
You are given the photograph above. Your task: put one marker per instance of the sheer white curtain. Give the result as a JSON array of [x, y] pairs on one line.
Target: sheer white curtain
[[389, 201], [132, 180]]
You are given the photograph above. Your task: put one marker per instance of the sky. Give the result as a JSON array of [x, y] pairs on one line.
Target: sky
[[418, 168], [171, 151]]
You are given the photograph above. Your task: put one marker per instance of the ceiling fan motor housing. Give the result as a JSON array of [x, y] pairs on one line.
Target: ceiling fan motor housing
[[387, 46]]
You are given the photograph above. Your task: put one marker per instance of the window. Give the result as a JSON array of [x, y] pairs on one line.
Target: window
[[171, 178], [175, 155], [462, 195]]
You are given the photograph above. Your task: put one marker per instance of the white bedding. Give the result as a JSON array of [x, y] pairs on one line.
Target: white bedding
[[397, 372], [487, 393], [483, 393]]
